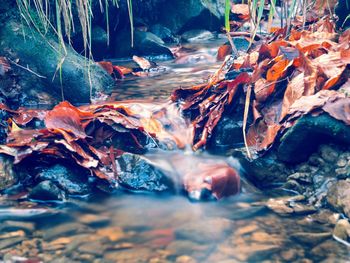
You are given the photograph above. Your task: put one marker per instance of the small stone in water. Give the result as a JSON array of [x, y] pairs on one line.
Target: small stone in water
[[91, 219], [328, 153], [185, 259], [342, 162], [7, 226], [10, 242], [311, 238], [19, 233], [342, 230]]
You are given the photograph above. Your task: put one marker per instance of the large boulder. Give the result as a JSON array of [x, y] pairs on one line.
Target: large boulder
[[301, 140], [137, 173], [52, 68], [183, 15]]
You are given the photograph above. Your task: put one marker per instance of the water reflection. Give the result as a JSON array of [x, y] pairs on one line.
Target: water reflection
[[191, 68]]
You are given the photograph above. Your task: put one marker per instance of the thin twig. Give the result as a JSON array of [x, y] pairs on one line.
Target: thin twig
[[26, 68], [233, 46]]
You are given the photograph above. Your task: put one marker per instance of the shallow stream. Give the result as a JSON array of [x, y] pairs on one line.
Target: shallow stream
[[129, 227]]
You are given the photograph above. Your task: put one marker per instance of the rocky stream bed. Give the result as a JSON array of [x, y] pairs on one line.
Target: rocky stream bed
[[158, 203]]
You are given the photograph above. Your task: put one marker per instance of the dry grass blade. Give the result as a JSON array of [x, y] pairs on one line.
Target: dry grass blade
[[245, 118]]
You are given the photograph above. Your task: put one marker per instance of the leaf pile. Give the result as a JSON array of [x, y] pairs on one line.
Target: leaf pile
[[287, 76], [91, 136]]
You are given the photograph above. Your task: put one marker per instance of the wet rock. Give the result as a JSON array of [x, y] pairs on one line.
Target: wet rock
[[7, 226], [72, 181], [208, 181], [19, 233], [294, 185], [311, 239], [145, 44], [325, 217], [329, 153], [164, 33], [342, 230], [93, 220], [213, 229], [342, 10], [241, 250], [290, 205], [264, 171], [338, 197], [65, 230], [301, 177], [226, 135], [301, 140], [114, 234], [94, 247], [10, 242], [129, 255], [342, 173], [99, 43], [329, 251], [43, 56], [7, 174], [195, 14], [185, 259], [342, 162], [135, 172], [186, 247], [197, 35], [47, 191]]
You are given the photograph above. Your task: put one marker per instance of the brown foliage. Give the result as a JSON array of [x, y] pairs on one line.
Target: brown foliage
[[290, 77]]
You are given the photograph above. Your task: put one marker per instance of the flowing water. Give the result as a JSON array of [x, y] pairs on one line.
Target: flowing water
[[127, 227]]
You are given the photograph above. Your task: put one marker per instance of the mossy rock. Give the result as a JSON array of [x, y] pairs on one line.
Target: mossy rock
[[42, 54]]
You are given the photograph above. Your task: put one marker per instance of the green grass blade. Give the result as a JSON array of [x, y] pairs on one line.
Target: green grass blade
[[227, 15], [129, 2], [257, 21], [271, 14]]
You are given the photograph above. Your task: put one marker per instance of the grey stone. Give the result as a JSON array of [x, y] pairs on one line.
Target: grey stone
[[184, 15], [48, 191], [145, 44], [197, 35], [301, 177], [338, 196], [7, 174], [65, 230], [164, 33], [92, 247], [329, 153], [9, 225], [10, 242], [342, 229], [72, 181], [312, 239], [263, 171], [135, 172], [185, 247]]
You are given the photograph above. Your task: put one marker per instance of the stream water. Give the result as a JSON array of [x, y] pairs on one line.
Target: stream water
[[127, 227]]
